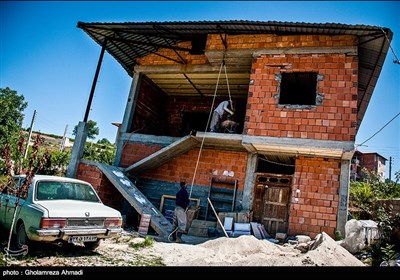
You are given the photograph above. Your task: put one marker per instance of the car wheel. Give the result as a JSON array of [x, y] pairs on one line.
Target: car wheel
[[92, 244], [22, 239]]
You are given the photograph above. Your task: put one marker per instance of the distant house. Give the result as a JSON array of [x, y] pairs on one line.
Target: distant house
[[300, 92], [373, 162]]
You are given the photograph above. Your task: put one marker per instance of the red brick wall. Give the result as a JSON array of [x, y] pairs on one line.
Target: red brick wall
[[370, 162], [150, 116], [106, 191], [335, 119], [274, 41], [183, 166], [134, 152], [253, 41], [157, 114], [154, 59], [317, 205]]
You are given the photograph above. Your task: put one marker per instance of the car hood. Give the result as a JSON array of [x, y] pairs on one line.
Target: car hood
[[77, 209]]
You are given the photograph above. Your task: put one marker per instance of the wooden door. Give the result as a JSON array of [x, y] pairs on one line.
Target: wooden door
[[271, 201]]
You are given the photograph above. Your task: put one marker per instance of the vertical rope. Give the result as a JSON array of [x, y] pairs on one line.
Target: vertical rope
[[208, 122], [227, 83]]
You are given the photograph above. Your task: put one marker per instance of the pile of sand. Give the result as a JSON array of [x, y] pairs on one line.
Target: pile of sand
[[249, 251]]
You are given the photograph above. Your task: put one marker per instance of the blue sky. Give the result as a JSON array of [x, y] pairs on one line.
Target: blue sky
[[46, 58]]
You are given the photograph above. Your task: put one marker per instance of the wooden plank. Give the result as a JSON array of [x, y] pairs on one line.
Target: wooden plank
[[210, 91], [205, 86], [200, 81], [166, 76], [258, 201], [188, 69], [165, 196]]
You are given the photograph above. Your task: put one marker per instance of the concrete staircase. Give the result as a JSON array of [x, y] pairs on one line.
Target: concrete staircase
[[135, 198]]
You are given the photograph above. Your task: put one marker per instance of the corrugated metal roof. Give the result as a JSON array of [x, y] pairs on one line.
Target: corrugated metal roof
[[129, 41]]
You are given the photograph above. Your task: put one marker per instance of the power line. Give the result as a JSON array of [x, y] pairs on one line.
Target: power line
[[379, 130]]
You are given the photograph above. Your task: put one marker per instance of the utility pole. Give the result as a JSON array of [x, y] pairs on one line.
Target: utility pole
[[390, 169], [30, 133], [62, 146]]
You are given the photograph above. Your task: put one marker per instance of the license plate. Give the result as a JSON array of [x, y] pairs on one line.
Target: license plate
[[82, 238]]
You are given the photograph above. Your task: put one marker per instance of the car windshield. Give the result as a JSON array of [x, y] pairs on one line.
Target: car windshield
[[51, 190]]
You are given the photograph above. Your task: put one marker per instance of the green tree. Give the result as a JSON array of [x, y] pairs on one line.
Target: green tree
[[11, 116], [93, 130], [99, 152], [104, 141]]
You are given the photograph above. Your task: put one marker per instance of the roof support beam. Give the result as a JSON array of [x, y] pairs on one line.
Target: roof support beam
[[155, 45], [200, 68], [309, 147], [193, 85], [96, 75]]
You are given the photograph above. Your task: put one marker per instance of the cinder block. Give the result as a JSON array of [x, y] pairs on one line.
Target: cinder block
[[242, 227], [222, 216], [228, 223]]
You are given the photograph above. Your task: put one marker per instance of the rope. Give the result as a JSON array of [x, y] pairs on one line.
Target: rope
[[208, 122], [202, 141], [227, 84]]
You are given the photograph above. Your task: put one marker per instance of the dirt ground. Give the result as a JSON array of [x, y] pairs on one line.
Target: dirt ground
[[128, 249]]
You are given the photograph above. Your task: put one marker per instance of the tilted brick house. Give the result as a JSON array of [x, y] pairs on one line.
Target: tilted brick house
[[300, 91]]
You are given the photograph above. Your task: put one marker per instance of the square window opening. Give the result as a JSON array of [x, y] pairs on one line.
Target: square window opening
[[298, 88]]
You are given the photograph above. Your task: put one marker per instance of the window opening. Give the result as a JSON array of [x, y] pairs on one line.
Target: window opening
[[275, 165], [298, 88]]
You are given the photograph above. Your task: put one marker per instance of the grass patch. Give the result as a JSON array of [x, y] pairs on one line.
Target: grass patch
[[147, 242], [2, 260]]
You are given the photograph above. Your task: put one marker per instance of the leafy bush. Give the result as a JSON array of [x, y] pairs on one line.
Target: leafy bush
[[368, 196], [100, 152], [361, 195], [147, 242]]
